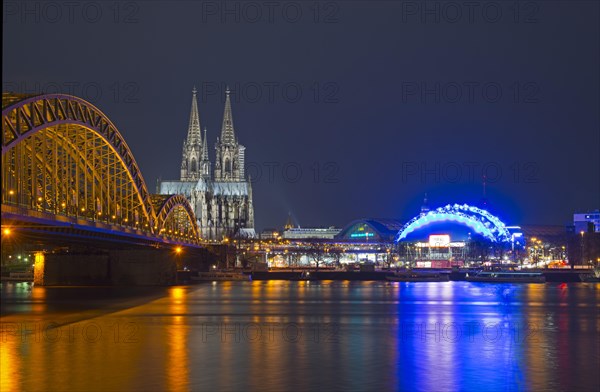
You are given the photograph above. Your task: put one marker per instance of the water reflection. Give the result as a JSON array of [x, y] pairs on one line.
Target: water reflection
[[303, 335], [178, 366]]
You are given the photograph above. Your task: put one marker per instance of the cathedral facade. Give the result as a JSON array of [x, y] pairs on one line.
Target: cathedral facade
[[221, 198]]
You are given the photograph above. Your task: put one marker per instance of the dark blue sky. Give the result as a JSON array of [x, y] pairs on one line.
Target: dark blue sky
[[376, 102]]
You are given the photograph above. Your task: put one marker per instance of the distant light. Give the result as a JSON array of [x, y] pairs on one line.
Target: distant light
[[6, 231], [439, 240], [178, 249], [354, 235]]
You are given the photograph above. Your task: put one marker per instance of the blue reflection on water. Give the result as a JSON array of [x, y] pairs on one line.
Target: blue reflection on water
[[465, 336]]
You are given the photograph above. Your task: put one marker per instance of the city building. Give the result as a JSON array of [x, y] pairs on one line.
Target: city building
[[310, 232], [371, 230], [293, 232], [270, 234], [554, 234], [438, 251], [587, 221], [221, 199]]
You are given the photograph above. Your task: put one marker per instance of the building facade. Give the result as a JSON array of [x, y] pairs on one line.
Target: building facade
[[371, 230], [586, 221], [310, 233], [222, 199]]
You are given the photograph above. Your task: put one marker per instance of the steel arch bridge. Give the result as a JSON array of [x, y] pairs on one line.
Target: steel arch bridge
[[63, 160], [481, 221]]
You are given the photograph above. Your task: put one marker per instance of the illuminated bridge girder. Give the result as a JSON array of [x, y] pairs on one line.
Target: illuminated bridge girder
[[175, 217], [63, 156]]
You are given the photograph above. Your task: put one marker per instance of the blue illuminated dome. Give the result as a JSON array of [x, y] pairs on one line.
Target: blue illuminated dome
[[478, 220]]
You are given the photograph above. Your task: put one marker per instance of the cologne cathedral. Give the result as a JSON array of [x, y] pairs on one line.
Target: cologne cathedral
[[221, 198]]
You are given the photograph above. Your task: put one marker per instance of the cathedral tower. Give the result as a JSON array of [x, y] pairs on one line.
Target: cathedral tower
[[230, 154], [192, 146]]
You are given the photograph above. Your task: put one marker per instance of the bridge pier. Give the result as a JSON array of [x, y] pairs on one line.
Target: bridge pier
[[124, 267]]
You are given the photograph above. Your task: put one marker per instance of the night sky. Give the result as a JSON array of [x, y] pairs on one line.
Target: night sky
[[376, 102]]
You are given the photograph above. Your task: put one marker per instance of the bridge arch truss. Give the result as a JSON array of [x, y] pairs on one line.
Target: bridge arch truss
[[175, 216], [62, 156]]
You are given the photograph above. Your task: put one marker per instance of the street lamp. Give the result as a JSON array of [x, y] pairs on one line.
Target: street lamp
[[582, 248], [6, 232]]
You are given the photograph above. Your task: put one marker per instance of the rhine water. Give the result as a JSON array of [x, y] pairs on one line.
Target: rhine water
[[280, 335]]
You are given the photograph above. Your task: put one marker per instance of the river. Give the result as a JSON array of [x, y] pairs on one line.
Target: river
[[280, 335]]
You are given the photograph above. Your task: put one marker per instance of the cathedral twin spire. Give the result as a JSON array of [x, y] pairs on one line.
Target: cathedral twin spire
[[229, 165], [195, 164], [194, 136], [227, 132]]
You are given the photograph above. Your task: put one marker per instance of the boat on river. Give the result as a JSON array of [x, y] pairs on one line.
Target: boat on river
[[305, 275], [221, 276], [418, 277], [506, 277], [19, 277], [591, 277]]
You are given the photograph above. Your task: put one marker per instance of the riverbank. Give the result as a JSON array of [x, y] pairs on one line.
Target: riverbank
[[556, 276], [184, 277]]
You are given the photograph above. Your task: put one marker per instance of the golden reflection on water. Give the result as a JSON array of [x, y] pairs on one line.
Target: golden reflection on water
[[531, 330], [177, 365], [10, 366], [86, 355], [38, 295]]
